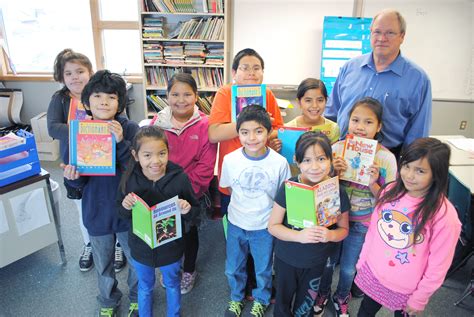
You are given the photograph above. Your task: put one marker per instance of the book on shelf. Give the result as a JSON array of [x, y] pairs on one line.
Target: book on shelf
[[288, 137], [77, 111], [245, 95], [159, 224], [317, 205], [11, 140], [91, 147], [359, 154]]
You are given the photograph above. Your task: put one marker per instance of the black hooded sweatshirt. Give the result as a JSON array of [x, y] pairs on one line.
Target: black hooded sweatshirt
[[174, 182]]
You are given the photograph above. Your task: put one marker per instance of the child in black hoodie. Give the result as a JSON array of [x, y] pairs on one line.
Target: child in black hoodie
[[155, 179]]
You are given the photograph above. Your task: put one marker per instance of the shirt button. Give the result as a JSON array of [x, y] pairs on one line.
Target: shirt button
[[370, 88]]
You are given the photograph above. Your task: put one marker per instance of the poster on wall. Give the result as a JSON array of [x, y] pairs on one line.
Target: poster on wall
[[30, 211], [343, 39]]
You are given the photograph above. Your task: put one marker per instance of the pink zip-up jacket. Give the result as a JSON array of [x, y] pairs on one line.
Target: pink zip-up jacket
[[190, 147], [410, 265]]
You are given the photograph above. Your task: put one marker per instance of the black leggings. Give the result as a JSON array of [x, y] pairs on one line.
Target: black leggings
[[369, 308], [191, 247]]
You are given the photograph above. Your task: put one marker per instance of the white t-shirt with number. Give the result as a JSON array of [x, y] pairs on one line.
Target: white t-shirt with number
[[254, 183]]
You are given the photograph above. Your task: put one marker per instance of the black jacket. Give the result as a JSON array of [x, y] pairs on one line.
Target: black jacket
[[174, 182]]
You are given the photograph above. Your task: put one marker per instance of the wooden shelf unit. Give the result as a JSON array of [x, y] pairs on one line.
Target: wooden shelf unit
[[156, 72]]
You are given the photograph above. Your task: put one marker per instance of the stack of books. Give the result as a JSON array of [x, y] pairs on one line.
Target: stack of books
[[173, 53], [153, 53], [153, 27], [215, 54], [195, 53]]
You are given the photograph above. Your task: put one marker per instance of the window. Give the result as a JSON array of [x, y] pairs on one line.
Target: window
[[37, 30], [104, 30]]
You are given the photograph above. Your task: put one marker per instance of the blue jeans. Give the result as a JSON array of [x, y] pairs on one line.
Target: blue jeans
[[351, 247], [103, 250], [259, 243], [146, 283]]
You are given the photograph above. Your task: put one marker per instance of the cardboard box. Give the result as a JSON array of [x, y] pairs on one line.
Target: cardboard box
[[48, 151], [40, 128]]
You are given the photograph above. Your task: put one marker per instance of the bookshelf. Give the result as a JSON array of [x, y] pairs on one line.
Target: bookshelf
[[184, 36]]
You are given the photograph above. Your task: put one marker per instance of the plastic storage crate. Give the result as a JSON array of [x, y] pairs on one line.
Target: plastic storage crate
[[25, 164]]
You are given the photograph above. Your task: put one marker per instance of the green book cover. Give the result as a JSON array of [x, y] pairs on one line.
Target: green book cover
[[317, 205], [159, 224]]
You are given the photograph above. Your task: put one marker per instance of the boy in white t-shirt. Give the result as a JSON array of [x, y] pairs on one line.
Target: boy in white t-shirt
[[253, 174]]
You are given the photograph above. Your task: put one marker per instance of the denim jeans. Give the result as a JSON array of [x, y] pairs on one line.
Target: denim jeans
[[259, 243], [351, 247], [146, 283], [103, 250]]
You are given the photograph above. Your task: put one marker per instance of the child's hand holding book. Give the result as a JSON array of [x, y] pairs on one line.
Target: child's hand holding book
[[70, 172], [129, 201], [117, 130], [184, 205], [315, 234], [340, 165]]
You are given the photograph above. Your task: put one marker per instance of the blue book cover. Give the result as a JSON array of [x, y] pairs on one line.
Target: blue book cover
[[245, 95], [288, 137], [91, 147]]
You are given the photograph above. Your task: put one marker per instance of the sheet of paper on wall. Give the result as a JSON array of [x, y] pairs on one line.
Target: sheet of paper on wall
[[3, 219], [464, 144], [283, 103], [30, 211]]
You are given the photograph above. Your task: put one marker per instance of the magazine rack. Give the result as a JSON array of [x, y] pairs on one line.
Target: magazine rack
[[23, 167]]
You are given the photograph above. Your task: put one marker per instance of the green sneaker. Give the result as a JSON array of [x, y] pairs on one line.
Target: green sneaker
[[108, 312], [133, 310], [234, 309], [258, 309]]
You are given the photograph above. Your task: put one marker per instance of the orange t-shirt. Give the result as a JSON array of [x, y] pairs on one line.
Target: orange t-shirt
[[221, 113]]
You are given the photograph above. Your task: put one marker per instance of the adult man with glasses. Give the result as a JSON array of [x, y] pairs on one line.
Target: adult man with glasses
[[385, 74]]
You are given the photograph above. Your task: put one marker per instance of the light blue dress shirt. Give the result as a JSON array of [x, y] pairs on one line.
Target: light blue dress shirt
[[403, 88]]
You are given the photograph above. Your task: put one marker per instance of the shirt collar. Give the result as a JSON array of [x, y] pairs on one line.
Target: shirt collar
[[396, 66]]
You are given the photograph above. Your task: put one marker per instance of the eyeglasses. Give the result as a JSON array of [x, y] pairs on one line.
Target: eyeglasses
[[388, 35], [248, 69]]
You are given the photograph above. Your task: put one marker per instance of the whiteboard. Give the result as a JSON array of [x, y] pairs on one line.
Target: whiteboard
[[288, 35], [440, 39]]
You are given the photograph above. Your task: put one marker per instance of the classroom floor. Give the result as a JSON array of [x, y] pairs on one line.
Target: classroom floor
[[38, 285]]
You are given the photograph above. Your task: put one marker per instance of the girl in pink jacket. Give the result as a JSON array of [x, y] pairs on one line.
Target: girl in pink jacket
[[189, 147], [412, 234]]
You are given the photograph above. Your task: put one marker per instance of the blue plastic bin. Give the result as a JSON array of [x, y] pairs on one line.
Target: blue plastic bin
[[21, 168]]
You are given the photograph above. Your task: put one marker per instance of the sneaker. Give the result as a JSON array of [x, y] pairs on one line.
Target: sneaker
[[133, 310], [320, 304], [108, 312], [234, 309], [86, 262], [120, 259], [341, 306], [187, 282], [258, 309]]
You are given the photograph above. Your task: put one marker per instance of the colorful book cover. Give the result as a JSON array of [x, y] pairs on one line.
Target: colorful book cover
[[359, 154], [245, 95], [77, 111], [288, 137], [317, 205], [11, 140], [159, 224], [92, 147]]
